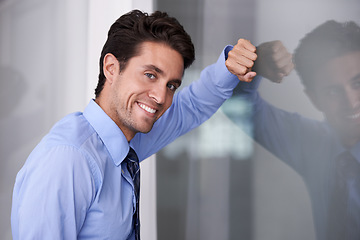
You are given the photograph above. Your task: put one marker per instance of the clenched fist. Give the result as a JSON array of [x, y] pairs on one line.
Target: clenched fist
[[274, 62], [241, 59]]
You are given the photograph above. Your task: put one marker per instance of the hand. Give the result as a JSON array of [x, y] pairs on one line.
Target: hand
[[274, 62], [241, 59]]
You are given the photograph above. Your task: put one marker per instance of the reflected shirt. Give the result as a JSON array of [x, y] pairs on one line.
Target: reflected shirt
[[74, 185], [310, 147]]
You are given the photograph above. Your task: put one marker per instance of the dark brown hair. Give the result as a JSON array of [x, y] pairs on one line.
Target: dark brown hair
[[136, 27], [329, 40]]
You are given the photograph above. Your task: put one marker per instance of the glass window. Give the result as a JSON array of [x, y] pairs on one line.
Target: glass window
[[216, 182]]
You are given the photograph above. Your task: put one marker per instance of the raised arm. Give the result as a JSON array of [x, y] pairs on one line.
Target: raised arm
[[200, 100]]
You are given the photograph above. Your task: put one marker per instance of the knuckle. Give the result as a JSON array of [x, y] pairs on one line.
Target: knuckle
[[227, 64], [242, 41], [231, 54]]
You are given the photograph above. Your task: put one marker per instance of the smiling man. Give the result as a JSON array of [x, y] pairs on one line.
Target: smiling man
[[325, 153], [339, 96], [136, 97], [82, 180]]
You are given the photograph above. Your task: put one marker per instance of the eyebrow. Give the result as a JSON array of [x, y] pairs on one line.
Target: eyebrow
[[155, 68]]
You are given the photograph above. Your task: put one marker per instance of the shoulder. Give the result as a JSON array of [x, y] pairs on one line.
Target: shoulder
[[73, 130], [68, 148]]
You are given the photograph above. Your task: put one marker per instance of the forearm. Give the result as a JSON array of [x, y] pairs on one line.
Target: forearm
[[191, 106]]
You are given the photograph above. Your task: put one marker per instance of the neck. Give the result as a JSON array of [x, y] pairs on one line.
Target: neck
[[127, 132], [129, 135]]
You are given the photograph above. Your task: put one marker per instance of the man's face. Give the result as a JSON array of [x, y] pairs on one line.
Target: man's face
[[141, 93], [336, 93]]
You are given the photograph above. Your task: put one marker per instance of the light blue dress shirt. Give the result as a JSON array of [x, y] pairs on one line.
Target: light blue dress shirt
[[74, 184], [310, 147]]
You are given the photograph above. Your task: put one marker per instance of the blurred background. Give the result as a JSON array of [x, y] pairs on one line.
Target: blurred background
[[212, 183]]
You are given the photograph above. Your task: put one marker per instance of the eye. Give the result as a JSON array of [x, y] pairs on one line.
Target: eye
[[172, 87], [333, 92], [150, 75]]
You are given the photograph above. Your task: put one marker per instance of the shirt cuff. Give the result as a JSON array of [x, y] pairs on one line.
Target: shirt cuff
[[224, 78]]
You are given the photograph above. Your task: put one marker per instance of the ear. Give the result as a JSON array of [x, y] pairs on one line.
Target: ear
[[313, 98], [111, 67]]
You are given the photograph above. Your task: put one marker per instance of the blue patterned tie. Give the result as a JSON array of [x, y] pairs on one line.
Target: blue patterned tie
[[132, 163]]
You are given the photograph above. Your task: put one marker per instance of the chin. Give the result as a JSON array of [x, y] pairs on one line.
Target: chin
[[145, 129]]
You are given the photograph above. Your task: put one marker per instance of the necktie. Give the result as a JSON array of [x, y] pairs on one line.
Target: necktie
[[344, 208], [132, 164]]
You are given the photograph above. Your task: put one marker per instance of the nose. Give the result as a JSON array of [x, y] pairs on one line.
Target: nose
[[158, 93]]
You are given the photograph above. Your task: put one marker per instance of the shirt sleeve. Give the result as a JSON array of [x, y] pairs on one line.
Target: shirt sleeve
[[191, 107], [58, 186]]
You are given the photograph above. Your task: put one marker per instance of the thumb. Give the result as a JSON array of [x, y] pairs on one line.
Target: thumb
[[248, 77]]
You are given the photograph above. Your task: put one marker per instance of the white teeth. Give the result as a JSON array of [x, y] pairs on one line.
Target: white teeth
[[146, 108], [354, 116]]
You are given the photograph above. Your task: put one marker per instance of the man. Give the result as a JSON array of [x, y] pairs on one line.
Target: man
[[82, 180], [325, 153]]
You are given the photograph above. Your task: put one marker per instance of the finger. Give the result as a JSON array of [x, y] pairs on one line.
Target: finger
[[242, 73], [238, 64], [242, 57], [235, 68], [246, 49], [245, 62], [286, 65], [277, 46], [248, 77], [288, 68], [279, 76], [243, 52], [284, 60], [246, 44]]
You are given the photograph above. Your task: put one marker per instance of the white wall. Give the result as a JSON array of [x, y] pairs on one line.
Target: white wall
[[48, 68]]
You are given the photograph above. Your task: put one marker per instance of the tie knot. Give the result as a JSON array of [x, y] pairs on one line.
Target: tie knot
[[132, 155], [132, 163]]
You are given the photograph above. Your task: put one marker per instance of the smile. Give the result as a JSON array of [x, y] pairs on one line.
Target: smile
[[146, 108]]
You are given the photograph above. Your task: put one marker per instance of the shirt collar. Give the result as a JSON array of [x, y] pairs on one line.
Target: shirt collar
[[110, 134]]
